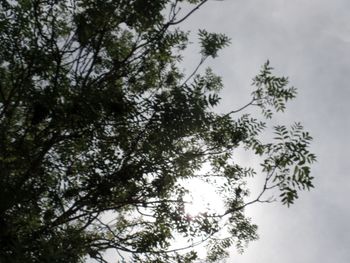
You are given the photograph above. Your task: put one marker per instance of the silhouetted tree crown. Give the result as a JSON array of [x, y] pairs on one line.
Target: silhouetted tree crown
[[98, 121]]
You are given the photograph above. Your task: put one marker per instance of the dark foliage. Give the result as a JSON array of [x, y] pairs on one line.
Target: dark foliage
[[97, 121]]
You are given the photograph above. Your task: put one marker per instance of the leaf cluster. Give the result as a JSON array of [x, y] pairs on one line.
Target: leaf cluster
[[99, 128]]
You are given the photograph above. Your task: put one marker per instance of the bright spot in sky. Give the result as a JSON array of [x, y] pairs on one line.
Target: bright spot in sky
[[202, 198]]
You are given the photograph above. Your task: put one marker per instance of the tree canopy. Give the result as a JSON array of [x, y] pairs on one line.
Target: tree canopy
[[99, 121]]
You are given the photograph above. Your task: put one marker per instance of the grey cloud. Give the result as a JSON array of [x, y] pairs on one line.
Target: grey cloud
[[309, 40]]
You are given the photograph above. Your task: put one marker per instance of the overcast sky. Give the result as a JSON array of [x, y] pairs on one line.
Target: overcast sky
[[309, 41]]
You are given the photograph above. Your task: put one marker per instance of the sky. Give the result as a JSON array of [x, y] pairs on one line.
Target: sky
[[309, 41]]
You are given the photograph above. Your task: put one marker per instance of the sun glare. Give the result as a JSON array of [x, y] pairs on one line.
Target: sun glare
[[201, 198]]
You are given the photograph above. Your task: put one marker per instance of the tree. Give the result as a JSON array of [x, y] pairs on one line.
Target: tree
[[96, 118]]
